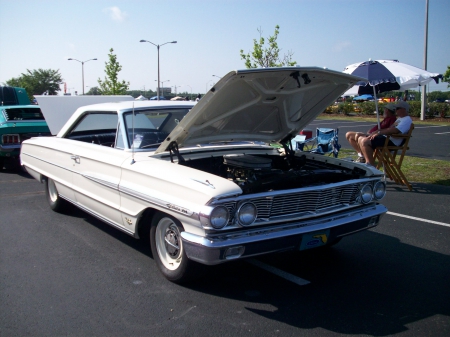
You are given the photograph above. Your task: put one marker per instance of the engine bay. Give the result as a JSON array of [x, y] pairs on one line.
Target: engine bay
[[264, 173]]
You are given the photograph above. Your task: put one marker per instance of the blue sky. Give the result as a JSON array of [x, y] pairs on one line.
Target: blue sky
[[326, 33]]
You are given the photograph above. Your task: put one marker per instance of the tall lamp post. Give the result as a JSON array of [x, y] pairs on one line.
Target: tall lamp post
[[157, 46], [175, 87], [217, 76], [82, 68]]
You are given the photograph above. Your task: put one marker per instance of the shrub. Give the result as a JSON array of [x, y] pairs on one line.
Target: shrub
[[332, 109], [345, 108], [414, 108], [438, 109], [367, 108]]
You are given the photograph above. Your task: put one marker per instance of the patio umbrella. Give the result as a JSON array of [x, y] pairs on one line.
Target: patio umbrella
[[387, 75]]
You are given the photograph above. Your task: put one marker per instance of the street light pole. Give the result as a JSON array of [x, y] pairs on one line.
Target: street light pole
[[82, 68], [157, 46], [217, 76]]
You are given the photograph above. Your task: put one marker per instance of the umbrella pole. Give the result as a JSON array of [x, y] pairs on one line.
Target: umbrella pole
[[378, 120], [376, 107]]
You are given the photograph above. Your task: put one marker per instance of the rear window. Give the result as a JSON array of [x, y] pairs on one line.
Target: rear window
[[8, 96], [22, 114]]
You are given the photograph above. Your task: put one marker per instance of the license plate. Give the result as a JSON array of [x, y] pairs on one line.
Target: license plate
[[316, 239]]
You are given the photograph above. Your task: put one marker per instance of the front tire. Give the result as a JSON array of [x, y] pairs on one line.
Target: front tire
[[167, 249], [55, 202]]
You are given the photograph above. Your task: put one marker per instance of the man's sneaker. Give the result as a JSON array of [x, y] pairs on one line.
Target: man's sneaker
[[360, 160]]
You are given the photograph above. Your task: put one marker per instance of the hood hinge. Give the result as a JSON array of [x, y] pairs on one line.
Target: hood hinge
[[173, 150]]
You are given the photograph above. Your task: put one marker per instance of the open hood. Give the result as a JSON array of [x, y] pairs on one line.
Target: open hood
[[266, 105]]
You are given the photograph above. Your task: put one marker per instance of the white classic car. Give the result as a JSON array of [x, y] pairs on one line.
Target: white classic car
[[215, 181]]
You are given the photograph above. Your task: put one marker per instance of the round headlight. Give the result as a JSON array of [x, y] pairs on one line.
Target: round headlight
[[366, 193], [379, 190], [219, 217], [246, 214]]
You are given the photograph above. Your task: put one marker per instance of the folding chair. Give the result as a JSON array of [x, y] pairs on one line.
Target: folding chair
[[325, 142], [387, 155]]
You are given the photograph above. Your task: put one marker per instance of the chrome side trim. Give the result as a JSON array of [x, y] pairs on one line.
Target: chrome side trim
[[114, 186], [158, 202]]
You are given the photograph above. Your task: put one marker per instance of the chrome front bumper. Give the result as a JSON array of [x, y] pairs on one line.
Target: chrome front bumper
[[211, 249]]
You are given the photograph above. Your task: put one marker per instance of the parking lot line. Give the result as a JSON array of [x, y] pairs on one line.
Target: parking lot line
[[278, 272], [419, 219]]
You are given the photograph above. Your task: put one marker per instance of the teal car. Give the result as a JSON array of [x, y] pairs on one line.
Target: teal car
[[18, 122]]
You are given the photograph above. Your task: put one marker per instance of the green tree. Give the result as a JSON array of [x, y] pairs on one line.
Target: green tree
[[111, 84], [447, 77], [93, 91], [37, 82], [263, 57]]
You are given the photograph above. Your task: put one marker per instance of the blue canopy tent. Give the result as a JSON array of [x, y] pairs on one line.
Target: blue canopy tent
[[363, 98]]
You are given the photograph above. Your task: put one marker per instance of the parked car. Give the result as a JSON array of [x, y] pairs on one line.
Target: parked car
[[213, 181], [17, 123]]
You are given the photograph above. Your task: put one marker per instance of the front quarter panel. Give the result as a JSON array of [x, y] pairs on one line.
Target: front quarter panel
[[171, 188]]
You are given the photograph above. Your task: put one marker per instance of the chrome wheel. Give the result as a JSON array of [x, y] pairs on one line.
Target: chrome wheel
[[169, 244]]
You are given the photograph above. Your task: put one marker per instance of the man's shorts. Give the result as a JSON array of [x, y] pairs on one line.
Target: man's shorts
[[378, 141]]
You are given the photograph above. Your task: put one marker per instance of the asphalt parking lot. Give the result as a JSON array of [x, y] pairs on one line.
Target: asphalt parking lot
[[73, 275]]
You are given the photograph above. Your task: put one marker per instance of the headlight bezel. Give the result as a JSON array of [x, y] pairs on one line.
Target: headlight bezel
[[376, 187], [245, 207], [224, 222], [366, 190]]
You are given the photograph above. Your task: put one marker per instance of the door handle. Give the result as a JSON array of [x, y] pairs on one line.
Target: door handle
[[76, 158]]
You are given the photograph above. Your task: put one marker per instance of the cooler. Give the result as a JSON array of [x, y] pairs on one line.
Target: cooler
[[307, 133]]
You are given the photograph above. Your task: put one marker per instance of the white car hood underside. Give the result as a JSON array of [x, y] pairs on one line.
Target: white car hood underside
[[265, 105]]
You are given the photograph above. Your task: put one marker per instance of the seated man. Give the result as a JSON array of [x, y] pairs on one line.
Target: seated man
[[377, 138], [388, 120]]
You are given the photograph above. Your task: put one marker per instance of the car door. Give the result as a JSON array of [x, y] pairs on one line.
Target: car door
[[97, 166]]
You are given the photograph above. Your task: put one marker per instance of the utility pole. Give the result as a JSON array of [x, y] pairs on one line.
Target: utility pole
[[424, 91]]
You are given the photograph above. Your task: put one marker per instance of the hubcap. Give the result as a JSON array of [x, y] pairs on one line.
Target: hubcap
[[168, 243]]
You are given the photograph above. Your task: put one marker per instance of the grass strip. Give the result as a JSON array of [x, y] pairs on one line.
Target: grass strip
[[419, 170]]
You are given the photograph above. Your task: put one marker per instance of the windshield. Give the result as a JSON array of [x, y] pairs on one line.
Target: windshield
[[149, 128], [22, 114]]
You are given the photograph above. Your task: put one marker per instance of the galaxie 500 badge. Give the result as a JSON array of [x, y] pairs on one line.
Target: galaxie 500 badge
[[179, 209], [316, 239]]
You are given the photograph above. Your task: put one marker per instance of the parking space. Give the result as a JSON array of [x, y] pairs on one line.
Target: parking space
[[72, 274]]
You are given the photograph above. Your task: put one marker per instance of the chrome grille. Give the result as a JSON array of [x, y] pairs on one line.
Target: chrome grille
[[308, 201]]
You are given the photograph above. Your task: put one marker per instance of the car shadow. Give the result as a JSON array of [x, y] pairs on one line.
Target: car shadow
[[368, 284]]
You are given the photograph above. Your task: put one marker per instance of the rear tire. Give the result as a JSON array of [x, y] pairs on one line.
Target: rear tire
[[167, 249], [56, 203]]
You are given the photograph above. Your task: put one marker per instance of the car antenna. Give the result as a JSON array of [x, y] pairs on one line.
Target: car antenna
[[132, 137]]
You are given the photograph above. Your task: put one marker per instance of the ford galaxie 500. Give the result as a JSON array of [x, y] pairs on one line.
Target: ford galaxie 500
[[215, 181]]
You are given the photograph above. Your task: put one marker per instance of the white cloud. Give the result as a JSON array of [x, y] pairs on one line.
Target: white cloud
[[116, 14], [341, 46]]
